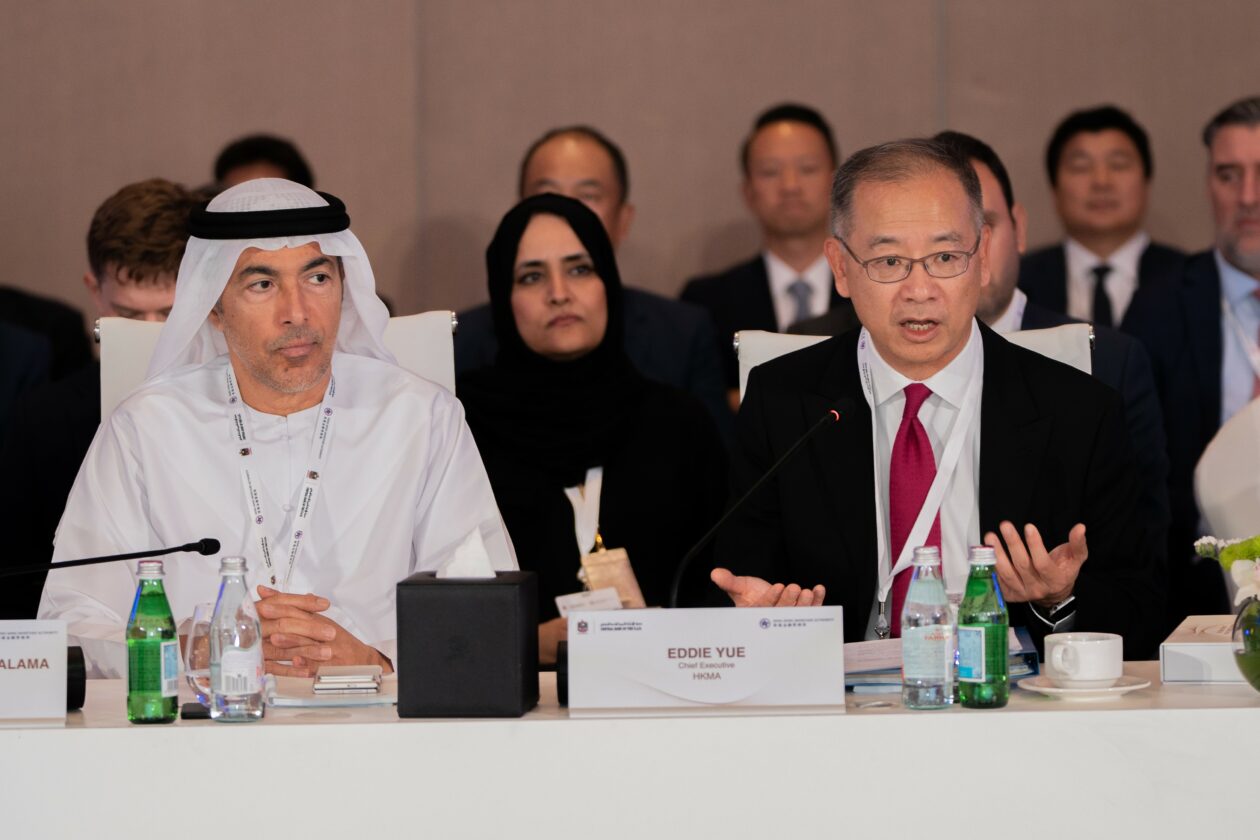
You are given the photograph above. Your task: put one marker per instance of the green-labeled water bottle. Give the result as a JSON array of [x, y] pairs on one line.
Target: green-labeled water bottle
[[152, 651], [982, 627]]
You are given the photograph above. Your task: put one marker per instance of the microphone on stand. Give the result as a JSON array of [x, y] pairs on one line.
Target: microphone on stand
[[206, 546], [76, 671], [831, 417]]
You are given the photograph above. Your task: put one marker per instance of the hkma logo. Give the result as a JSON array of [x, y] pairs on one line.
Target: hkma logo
[[764, 624]]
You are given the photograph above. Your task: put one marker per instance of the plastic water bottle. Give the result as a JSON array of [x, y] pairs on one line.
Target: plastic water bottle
[[927, 636], [152, 651], [982, 631], [236, 654]]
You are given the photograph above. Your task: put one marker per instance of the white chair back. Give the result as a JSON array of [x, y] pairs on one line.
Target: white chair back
[[1227, 477], [422, 343], [1071, 344]]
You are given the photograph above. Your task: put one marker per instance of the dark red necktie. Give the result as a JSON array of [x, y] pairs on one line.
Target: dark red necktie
[[910, 473]]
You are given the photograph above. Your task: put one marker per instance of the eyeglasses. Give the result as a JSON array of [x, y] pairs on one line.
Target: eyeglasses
[[893, 269]]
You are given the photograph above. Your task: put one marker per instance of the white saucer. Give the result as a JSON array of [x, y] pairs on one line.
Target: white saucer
[[1124, 685]]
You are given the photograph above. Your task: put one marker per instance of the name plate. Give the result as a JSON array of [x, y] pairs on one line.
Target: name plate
[[32, 672], [738, 661]]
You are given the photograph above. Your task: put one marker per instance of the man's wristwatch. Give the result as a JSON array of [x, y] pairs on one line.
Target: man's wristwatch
[[1059, 611]]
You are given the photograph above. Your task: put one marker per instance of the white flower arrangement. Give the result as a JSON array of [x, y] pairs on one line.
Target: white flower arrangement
[[1238, 557]]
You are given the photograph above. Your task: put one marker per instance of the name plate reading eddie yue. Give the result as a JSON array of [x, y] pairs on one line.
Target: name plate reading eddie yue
[[644, 662], [33, 671]]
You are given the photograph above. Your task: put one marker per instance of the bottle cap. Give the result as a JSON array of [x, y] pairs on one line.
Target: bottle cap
[[150, 569], [232, 566], [927, 555], [981, 555]]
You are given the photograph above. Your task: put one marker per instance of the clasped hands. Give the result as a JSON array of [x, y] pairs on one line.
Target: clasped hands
[[298, 639], [1026, 572]]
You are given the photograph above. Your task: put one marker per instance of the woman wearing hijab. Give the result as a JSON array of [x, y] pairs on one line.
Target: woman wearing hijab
[[563, 411]]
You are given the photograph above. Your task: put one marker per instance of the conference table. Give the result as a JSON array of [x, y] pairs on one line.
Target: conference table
[[1165, 761]]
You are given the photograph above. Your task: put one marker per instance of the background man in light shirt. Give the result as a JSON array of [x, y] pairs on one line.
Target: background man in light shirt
[[1203, 337], [1043, 463], [1100, 167], [787, 161]]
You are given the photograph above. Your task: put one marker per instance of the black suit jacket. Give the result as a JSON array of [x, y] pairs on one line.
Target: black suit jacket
[[1053, 452], [1043, 275], [1181, 330], [667, 341], [40, 454], [1121, 363], [739, 299], [60, 324]]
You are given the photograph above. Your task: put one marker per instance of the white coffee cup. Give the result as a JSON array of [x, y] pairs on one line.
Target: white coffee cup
[[1084, 660]]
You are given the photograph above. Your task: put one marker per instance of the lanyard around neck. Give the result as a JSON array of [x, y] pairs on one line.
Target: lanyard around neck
[[585, 501], [962, 431], [243, 449]]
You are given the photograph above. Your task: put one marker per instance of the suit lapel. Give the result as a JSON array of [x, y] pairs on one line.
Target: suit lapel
[[760, 312], [1013, 437], [1201, 300]]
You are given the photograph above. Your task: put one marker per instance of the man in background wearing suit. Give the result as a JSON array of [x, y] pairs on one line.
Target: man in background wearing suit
[[1031, 453], [1099, 164], [1203, 338], [1119, 360], [788, 160], [134, 243], [668, 341]]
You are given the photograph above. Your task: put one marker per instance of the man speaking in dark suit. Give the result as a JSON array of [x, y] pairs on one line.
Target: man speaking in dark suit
[[948, 433], [1099, 164], [788, 160]]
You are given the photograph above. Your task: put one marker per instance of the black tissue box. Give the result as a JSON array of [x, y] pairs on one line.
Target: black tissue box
[[467, 647]]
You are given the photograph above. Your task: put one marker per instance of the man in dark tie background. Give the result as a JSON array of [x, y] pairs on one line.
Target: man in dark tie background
[[1100, 166], [788, 160], [1041, 461]]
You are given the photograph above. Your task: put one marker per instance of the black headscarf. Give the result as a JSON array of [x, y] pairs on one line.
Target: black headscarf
[[551, 419]]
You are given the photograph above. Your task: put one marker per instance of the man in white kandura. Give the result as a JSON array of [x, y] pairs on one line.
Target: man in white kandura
[[274, 420]]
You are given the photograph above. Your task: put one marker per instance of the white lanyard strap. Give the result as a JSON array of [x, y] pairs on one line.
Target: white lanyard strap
[[243, 449], [961, 433], [1248, 341], [585, 501]]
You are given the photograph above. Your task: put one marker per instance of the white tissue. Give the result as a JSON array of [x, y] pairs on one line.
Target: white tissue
[[469, 560]]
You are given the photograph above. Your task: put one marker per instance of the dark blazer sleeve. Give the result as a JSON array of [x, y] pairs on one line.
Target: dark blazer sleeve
[[1121, 586], [1121, 362], [752, 541]]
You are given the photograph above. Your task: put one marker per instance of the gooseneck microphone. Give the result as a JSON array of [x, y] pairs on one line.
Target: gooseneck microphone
[[832, 417], [206, 546]]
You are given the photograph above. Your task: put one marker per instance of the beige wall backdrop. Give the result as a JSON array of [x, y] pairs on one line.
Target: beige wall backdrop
[[417, 113]]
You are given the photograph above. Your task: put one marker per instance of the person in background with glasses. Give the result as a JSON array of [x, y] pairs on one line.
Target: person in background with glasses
[[948, 435]]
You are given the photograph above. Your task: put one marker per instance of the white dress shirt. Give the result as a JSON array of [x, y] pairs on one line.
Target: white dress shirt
[[960, 511], [403, 486], [1012, 319], [1121, 281], [782, 275], [1237, 376]]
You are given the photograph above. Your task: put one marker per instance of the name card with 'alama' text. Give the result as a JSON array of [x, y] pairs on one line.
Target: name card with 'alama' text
[[735, 661], [32, 672]]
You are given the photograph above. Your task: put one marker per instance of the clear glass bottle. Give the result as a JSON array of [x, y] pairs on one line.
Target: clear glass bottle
[[152, 651], [236, 654], [927, 636], [983, 662]]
